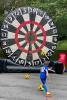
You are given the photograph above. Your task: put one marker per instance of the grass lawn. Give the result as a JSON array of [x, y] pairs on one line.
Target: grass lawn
[[62, 45]]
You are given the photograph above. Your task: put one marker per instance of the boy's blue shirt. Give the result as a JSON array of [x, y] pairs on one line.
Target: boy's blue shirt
[[43, 70]]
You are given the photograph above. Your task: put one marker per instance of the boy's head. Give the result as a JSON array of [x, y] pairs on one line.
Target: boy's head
[[46, 63]]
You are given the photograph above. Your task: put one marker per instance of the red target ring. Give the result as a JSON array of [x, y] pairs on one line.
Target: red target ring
[[17, 41]]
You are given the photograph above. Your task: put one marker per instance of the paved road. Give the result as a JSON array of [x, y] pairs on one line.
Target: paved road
[[13, 86]]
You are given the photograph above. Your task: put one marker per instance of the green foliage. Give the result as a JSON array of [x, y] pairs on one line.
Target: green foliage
[[2, 54], [62, 45]]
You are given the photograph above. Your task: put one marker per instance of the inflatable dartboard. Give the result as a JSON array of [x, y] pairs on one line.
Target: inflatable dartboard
[[25, 33]]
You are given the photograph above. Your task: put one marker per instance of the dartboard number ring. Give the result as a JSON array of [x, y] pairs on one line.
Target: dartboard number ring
[[25, 33]]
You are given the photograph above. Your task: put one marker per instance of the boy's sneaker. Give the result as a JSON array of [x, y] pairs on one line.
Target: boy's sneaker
[[48, 94], [42, 89]]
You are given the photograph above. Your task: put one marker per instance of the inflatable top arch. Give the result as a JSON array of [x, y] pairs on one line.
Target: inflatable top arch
[[28, 36]]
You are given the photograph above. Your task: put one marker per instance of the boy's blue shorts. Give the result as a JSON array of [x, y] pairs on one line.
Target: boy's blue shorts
[[43, 76]]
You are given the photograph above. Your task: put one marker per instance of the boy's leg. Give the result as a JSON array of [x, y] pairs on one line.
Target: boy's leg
[[44, 85], [45, 88]]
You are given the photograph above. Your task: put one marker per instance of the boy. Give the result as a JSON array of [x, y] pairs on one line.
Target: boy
[[43, 77]]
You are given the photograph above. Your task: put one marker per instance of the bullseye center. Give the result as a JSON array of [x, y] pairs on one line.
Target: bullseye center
[[31, 37]]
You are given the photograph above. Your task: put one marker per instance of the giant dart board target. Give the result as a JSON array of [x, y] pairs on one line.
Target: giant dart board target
[[26, 33]]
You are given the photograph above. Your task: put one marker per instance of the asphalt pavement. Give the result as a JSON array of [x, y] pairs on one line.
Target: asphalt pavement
[[13, 86]]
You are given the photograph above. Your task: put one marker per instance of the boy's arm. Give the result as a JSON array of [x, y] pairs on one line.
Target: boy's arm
[[46, 72]]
